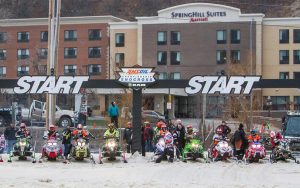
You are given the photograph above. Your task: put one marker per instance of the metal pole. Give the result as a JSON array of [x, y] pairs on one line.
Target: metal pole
[[251, 61], [136, 112], [203, 115], [54, 9]]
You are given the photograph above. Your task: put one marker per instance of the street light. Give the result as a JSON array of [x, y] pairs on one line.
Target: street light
[[269, 105]]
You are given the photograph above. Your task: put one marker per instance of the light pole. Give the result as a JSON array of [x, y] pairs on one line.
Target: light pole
[[269, 105]]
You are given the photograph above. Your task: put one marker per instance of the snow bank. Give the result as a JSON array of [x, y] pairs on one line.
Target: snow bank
[[140, 172]]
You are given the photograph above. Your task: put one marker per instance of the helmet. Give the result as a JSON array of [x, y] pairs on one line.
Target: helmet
[[22, 125], [253, 132], [189, 128], [146, 123], [79, 126], [163, 127], [178, 121], [272, 134], [52, 127], [219, 131], [110, 125], [158, 125]]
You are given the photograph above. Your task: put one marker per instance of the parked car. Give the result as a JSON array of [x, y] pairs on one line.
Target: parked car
[[5, 116], [291, 130], [152, 116], [37, 114]]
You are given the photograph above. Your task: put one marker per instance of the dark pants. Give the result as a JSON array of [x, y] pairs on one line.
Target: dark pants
[[167, 151], [10, 145], [143, 148], [67, 149], [114, 120], [149, 147], [240, 154], [129, 147]]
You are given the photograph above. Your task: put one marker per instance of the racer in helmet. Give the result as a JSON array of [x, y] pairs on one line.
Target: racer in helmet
[[253, 137], [111, 132], [189, 135], [163, 130], [80, 132], [169, 145], [23, 132], [225, 129], [52, 133], [275, 138]]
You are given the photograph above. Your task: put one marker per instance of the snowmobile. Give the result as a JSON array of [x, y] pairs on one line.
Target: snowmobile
[[111, 150], [23, 149], [193, 150], [52, 150], [80, 150], [255, 151], [281, 152], [222, 151]]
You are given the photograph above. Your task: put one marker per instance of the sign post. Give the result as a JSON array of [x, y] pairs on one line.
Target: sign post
[[136, 77]]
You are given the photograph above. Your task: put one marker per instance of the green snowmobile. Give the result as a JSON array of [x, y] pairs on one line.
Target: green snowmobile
[[22, 149], [193, 150]]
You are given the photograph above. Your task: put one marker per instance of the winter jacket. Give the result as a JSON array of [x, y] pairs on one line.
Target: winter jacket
[[52, 134], [148, 133], [23, 134], [113, 111], [10, 133], [225, 129], [113, 134], [67, 136], [239, 140], [128, 135]]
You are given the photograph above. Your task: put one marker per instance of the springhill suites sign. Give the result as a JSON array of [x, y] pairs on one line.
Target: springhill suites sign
[[198, 16]]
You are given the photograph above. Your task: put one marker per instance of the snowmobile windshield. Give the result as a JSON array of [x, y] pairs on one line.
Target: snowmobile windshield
[[293, 127]]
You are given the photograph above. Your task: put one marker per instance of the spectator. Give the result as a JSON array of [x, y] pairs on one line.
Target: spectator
[[66, 141], [113, 113], [10, 137], [128, 136], [148, 137], [239, 142]]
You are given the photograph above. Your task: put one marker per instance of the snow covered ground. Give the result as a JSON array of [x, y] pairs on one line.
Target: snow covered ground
[[140, 172]]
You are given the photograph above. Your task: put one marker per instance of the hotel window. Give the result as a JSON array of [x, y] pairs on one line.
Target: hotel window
[[44, 36], [120, 39], [296, 56], [235, 36], [23, 53], [23, 71], [283, 36], [296, 35], [94, 34], [2, 54], [235, 56], [283, 57], [221, 56], [161, 38], [283, 75], [175, 75], [161, 58], [221, 36], [70, 52], [70, 69], [297, 102], [70, 35], [175, 37], [296, 75], [94, 52], [2, 71], [2, 37], [94, 69], [279, 102], [175, 58], [162, 76], [119, 59], [23, 37], [43, 53]]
